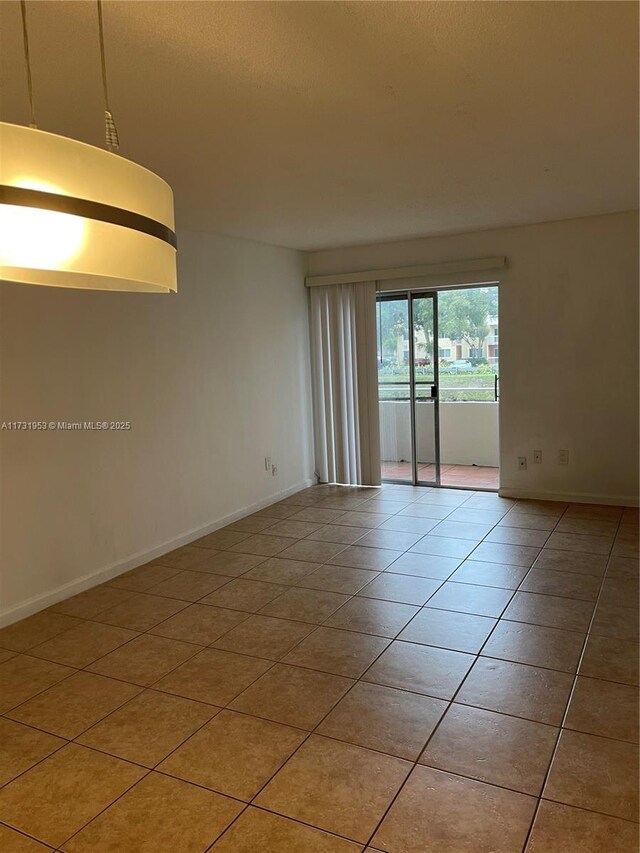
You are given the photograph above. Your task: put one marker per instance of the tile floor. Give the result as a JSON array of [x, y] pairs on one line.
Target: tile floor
[[459, 476], [395, 669]]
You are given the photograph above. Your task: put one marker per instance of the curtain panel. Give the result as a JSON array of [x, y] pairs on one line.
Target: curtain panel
[[345, 383]]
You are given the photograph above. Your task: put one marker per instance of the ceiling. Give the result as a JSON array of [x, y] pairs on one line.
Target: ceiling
[[321, 124]]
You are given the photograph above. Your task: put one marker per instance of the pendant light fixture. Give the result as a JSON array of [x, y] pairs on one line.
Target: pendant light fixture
[[73, 215]]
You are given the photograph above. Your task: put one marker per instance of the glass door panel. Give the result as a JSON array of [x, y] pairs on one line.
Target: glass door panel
[[394, 389], [425, 389]]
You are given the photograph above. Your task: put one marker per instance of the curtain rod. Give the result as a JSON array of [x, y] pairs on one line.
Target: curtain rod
[[407, 272]]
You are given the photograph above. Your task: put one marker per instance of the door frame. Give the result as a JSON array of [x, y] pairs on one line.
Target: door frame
[[409, 294]]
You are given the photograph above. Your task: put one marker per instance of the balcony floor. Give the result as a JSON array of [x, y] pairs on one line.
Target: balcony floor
[[471, 476]]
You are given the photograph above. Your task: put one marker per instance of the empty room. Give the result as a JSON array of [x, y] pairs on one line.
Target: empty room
[[319, 402]]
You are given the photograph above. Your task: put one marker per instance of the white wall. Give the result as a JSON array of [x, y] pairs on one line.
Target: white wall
[[568, 346], [212, 379]]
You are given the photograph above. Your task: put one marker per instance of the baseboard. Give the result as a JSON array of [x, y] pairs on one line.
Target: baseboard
[[39, 602], [575, 497]]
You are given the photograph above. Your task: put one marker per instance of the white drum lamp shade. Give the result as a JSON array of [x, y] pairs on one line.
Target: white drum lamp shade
[[72, 215]]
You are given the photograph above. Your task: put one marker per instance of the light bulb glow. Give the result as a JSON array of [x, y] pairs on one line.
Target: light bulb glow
[[41, 239]]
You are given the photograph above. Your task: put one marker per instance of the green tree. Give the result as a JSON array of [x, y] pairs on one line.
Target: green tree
[[463, 314]]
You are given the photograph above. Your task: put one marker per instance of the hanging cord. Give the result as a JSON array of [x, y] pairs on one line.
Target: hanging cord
[[25, 36], [111, 134]]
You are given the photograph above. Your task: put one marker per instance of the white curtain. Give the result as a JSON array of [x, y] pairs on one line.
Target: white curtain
[[345, 383]]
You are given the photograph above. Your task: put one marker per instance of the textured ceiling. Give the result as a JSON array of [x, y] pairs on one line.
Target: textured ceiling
[[318, 124]]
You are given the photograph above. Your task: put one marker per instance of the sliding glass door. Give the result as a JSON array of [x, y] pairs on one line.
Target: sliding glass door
[[438, 387], [408, 389]]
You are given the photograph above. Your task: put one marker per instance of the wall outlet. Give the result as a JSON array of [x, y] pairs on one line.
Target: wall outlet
[[267, 463], [563, 457], [537, 457], [274, 470], [522, 463]]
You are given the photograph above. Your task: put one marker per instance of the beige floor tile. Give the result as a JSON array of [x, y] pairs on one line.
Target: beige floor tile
[[470, 598], [409, 523], [322, 516], [60, 795], [305, 605], [88, 604], [363, 519], [257, 830], [262, 544], [510, 555], [251, 524], [619, 592], [148, 728], [478, 516], [189, 586], [550, 610], [359, 557], [623, 567], [144, 660], [187, 557], [581, 543], [338, 652], [405, 589], [248, 596], [338, 534], [234, 754], [14, 842], [424, 565], [21, 747], [277, 511], [293, 695], [592, 526], [72, 705], [199, 623], [569, 561], [566, 584], [275, 570], [604, 708], [490, 747], [294, 529], [229, 564], [427, 511], [373, 616], [264, 637], [512, 688], [141, 612], [221, 539], [438, 812], [158, 814], [382, 718], [421, 669], [312, 550], [489, 574], [518, 536], [536, 645], [214, 676], [617, 622], [461, 632], [336, 786], [337, 579], [444, 546], [461, 530], [5, 654], [36, 629], [528, 521], [143, 578], [22, 677], [392, 540], [83, 644], [611, 659], [562, 828], [595, 773]]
